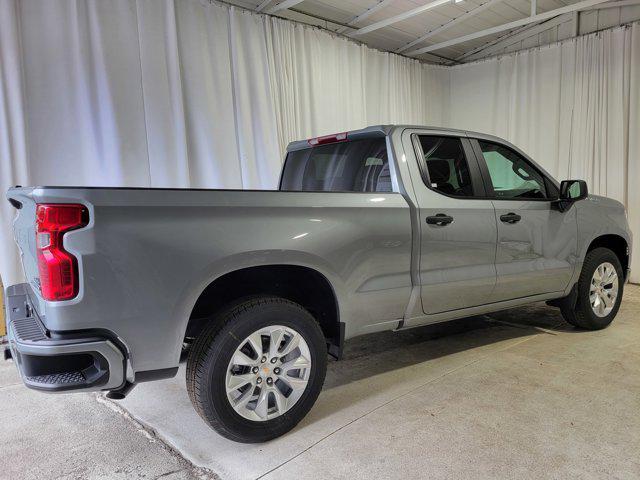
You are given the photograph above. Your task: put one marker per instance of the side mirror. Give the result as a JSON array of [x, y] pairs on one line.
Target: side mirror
[[570, 191], [573, 190]]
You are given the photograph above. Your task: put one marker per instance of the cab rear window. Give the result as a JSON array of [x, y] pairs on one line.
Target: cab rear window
[[352, 166]]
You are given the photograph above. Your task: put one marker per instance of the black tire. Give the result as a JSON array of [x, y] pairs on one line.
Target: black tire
[[212, 350], [582, 315]]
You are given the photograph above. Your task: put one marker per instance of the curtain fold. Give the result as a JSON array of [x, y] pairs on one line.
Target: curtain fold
[[633, 154], [323, 84], [188, 93], [573, 106]]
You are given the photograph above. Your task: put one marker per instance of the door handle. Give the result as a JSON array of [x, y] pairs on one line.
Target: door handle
[[439, 219], [510, 218]]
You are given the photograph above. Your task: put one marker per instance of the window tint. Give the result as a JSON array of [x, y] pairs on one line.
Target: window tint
[[511, 175], [353, 166], [446, 165]]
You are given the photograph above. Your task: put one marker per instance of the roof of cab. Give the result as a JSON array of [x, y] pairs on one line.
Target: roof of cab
[[386, 130], [382, 131]]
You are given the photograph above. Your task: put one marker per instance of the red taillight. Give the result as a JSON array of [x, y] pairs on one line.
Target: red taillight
[[58, 268], [336, 137]]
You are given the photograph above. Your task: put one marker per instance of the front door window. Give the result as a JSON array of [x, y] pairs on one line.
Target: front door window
[[512, 177]]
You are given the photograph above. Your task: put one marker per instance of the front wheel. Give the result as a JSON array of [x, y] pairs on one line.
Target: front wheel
[[258, 375], [599, 291]]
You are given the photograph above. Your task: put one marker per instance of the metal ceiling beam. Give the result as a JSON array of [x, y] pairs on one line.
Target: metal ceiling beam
[[621, 3], [576, 23], [508, 26], [284, 5], [399, 18], [465, 16], [503, 43], [363, 16], [263, 5], [502, 39], [491, 43]]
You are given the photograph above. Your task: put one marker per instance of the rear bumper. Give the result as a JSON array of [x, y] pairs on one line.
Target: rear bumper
[[58, 362]]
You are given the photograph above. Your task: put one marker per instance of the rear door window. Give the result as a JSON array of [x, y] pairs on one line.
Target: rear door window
[[447, 166], [352, 166]]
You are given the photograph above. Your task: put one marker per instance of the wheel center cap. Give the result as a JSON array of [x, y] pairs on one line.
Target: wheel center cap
[[265, 370]]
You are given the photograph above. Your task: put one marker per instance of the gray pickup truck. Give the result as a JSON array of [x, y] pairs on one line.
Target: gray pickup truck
[[385, 228]]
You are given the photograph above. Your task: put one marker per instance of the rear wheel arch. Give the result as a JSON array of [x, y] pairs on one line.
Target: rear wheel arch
[[299, 284]]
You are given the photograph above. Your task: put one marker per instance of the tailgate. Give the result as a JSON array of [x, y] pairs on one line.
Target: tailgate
[[24, 232]]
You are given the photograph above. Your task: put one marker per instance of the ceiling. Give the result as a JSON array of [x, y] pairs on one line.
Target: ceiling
[[401, 35]]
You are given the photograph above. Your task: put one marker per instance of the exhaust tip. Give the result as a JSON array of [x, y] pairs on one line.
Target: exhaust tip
[[120, 393], [116, 395]]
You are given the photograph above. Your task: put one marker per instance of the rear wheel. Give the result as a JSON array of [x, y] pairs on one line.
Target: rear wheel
[[258, 375], [599, 292]]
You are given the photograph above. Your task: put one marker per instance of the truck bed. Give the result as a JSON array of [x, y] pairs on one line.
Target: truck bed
[[147, 253]]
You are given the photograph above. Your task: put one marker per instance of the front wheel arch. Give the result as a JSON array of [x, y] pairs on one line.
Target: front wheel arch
[[577, 309], [617, 244]]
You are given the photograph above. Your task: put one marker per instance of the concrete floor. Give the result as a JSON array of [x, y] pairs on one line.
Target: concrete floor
[[78, 436], [517, 394]]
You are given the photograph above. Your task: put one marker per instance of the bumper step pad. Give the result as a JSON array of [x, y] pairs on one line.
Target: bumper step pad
[[65, 378], [29, 330], [59, 361]]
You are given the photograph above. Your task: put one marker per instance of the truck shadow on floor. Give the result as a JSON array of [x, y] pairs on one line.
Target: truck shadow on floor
[[378, 353]]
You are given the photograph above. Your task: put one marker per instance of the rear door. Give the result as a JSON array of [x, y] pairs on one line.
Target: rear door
[[536, 242], [457, 225]]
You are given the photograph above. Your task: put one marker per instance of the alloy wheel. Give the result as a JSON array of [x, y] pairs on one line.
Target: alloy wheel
[[268, 373], [603, 290]]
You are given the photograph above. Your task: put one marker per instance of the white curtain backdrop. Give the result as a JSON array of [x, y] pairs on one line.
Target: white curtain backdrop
[[180, 94], [193, 94], [573, 106], [323, 84]]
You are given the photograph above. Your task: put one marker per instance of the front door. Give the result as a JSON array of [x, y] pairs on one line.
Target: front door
[[458, 227], [537, 245]]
